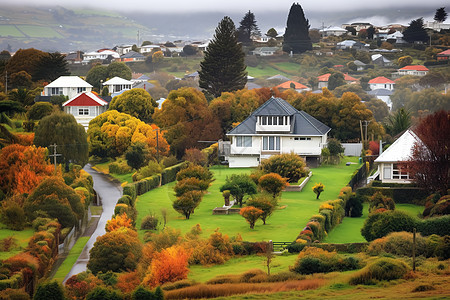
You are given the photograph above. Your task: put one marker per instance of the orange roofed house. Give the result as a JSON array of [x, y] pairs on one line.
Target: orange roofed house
[[85, 107], [293, 85], [323, 80], [416, 70]]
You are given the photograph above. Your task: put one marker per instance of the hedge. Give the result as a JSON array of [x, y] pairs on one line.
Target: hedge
[[408, 195], [147, 184], [170, 174], [14, 282], [347, 248], [434, 225]]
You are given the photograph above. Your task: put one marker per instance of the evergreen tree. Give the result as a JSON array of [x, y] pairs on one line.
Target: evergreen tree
[[50, 67], [370, 32], [296, 37], [223, 68], [415, 32], [247, 29], [441, 15]]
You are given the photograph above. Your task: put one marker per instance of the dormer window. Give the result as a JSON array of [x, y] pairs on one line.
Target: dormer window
[[273, 120]]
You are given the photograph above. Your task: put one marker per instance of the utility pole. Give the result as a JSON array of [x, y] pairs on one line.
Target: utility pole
[[54, 155], [6, 82], [138, 39], [157, 145]]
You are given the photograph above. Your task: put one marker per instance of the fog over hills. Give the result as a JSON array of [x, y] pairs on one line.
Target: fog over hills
[[64, 29]]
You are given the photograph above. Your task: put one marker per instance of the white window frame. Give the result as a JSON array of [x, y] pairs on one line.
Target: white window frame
[[82, 111], [398, 174], [243, 141], [271, 143]]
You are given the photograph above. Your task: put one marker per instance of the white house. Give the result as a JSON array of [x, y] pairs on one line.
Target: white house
[[100, 55], [265, 51], [333, 31], [116, 85], [124, 49], [397, 37], [276, 127], [384, 95], [149, 48], [391, 163], [69, 86], [416, 70], [381, 82], [84, 107]]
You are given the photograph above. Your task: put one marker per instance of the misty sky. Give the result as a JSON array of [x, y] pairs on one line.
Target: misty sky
[[181, 6]]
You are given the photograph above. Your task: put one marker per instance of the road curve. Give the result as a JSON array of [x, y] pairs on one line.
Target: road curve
[[108, 192]]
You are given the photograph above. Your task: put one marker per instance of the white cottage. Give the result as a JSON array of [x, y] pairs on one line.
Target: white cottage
[[391, 167], [85, 107], [116, 85], [69, 86], [276, 127]]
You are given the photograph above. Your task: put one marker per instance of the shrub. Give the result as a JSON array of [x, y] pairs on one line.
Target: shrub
[[318, 188], [443, 248], [125, 199], [149, 170], [101, 293], [378, 200], [14, 294], [290, 166], [195, 156], [400, 243], [13, 216], [130, 190], [169, 161], [378, 225], [169, 174], [272, 183], [315, 260], [39, 223], [150, 222], [49, 291], [251, 215], [265, 203], [381, 269], [119, 167], [354, 207]]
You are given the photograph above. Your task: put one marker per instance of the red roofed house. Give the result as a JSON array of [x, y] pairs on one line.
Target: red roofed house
[[381, 83], [444, 55], [323, 80], [416, 70], [84, 107], [292, 84]]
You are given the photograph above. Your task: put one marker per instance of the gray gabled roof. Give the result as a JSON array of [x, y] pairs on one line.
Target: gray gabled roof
[[278, 77], [301, 124], [132, 54]]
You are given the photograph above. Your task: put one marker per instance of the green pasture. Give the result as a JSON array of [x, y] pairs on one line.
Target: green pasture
[[238, 265], [21, 238], [10, 30], [349, 231], [39, 31], [265, 71], [295, 208]]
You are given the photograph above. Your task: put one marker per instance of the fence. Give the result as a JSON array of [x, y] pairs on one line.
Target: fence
[[358, 177], [352, 149]]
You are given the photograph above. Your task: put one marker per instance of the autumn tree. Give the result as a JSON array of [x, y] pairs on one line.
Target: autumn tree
[[378, 107], [251, 215], [22, 168], [296, 36], [430, 163], [441, 15], [415, 32], [196, 171], [118, 250], [195, 156], [169, 265], [404, 61], [288, 165], [187, 202], [57, 200], [379, 201], [272, 183], [265, 203], [188, 119], [135, 102], [70, 137], [223, 67], [119, 221], [24, 60], [247, 29], [239, 186], [318, 188]]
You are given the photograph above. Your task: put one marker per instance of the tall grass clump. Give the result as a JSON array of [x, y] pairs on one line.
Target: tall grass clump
[[382, 269]]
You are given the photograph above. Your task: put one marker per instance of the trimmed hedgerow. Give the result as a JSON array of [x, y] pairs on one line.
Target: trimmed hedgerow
[[380, 224], [170, 174]]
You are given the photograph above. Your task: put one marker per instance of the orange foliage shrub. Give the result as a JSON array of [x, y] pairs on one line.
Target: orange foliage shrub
[[251, 214], [127, 282], [22, 168], [78, 286], [169, 265], [117, 222], [25, 139]]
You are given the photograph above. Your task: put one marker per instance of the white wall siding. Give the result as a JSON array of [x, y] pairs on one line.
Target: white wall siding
[[243, 161], [302, 147], [254, 149]]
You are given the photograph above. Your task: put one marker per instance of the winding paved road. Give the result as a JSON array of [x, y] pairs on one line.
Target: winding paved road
[[108, 192]]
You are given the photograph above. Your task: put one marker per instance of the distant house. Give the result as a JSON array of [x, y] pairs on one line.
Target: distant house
[[85, 107], [380, 60], [143, 85], [416, 70], [74, 57], [384, 95], [444, 55], [396, 37], [123, 49], [391, 163], [265, 51], [276, 127], [69, 86], [359, 65], [150, 48], [116, 85], [293, 85], [132, 56], [100, 55], [437, 26], [323, 80], [381, 82], [350, 44], [333, 31]]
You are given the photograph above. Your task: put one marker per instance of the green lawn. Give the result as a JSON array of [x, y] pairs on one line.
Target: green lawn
[[22, 238], [349, 231], [10, 30], [71, 258], [239, 265], [295, 208], [104, 168], [39, 31], [265, 71]]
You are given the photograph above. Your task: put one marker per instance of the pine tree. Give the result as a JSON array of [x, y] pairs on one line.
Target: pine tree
[[247, 29], [441, 15], [415, 32], [51, 66], [296, 37], [223, 68]]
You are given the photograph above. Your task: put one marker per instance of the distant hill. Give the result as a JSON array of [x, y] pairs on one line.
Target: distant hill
[[64, 29]]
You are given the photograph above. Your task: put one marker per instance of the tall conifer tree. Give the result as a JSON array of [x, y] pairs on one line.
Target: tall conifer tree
[[247, 29], [440, 15], [415, 32], [296, 37], [223, 68]]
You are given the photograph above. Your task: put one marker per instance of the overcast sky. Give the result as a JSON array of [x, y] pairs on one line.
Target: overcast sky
[[181, 6]]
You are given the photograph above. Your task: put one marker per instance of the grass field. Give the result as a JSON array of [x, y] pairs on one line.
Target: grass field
[[295, 208], [124, 178], [39, 31], [10, 30], [239, 265], [71, 258], [349, 231], [22, 238], [265, 71]]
